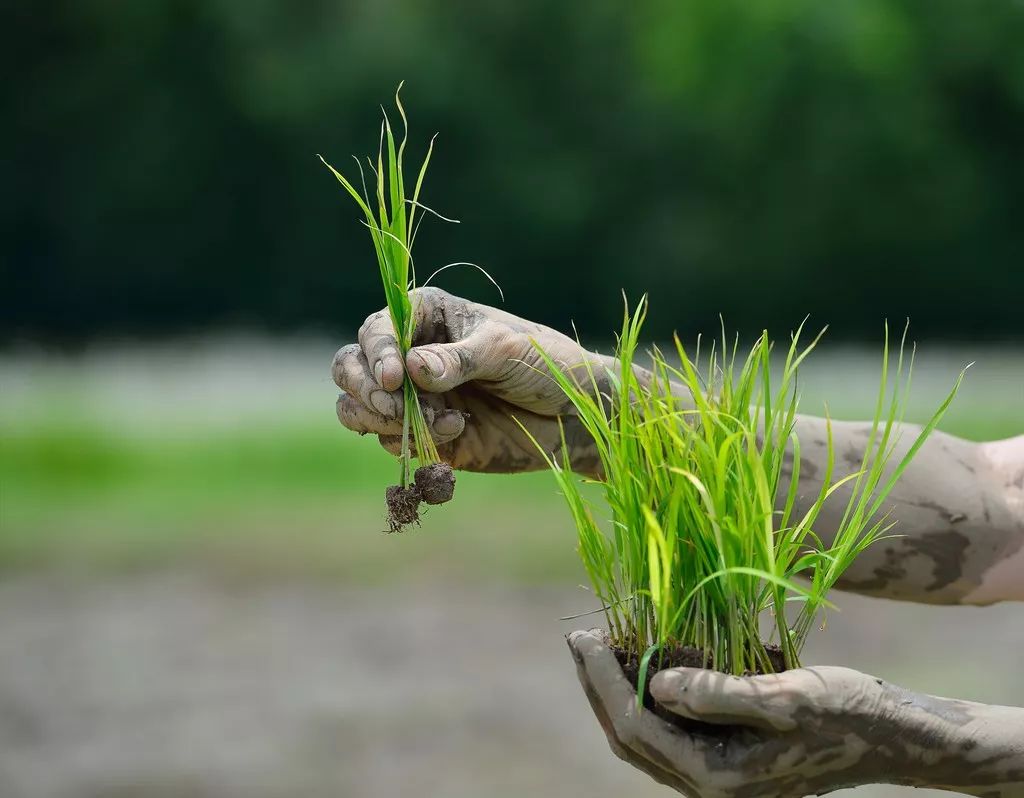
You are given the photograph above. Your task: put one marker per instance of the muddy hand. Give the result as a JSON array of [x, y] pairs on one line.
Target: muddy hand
[[805, 731], [478, 373]]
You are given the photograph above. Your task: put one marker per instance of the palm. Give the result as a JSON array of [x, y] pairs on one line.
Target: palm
[[493, 439]]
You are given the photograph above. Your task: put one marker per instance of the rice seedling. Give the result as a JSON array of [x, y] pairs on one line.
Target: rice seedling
[[704, 558], [393, 220]]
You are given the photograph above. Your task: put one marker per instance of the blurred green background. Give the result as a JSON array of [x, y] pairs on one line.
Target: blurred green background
[[761, 159], [195, 593]]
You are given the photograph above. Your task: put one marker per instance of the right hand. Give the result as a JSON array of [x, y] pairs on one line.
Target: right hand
[[478, 372]]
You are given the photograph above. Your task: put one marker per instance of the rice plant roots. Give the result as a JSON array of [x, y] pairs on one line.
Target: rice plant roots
[[432, 484], [403, 506]]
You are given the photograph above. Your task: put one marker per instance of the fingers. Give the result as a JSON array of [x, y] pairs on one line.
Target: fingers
[[357, 417], [440, 367], [378, 341], [445, 424], [771, 701], [351, 372], [455, 344], [666, 754], [446, 427], [596, 661], [380, 347]]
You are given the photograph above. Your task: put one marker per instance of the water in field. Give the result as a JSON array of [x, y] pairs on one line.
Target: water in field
[[196, 597]]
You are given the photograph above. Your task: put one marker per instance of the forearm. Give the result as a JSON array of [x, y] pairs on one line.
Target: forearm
[[958, 509], [956, 745]]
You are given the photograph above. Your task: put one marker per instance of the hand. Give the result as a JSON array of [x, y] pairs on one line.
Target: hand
[[810, 730], [478, 372]]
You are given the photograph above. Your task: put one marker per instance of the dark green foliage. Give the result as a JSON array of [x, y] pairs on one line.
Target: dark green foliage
[[769, 155]]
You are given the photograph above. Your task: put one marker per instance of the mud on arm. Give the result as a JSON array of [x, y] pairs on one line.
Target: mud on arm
[[959, 509]]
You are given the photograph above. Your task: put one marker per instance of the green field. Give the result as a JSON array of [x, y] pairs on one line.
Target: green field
[[191, 551], [155, 457]]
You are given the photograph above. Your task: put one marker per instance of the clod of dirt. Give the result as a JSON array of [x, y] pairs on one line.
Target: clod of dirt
[[436, 482], [683, 657], [403, 506]]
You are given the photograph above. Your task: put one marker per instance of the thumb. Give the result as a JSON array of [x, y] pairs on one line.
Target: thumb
[[764, 702], [440, 367], [443, 367]]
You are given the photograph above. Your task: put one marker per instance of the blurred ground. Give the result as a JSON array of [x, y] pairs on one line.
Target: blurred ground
[[196, 600], [175, 684]]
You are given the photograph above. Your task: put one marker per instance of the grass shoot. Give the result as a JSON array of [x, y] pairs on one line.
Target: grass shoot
[[392, 219], [704, 548]]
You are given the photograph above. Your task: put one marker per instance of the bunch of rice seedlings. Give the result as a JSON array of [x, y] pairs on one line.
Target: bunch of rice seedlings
[[391, 217], [700, 556]]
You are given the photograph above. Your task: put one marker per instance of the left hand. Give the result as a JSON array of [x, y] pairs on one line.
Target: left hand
[[810, 730]]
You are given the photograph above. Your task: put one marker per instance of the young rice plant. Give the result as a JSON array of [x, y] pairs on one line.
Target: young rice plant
[[703, 548], [391, 217]]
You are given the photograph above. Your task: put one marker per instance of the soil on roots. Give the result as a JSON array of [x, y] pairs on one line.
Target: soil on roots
[[403, 507], [683, 657], [435, 482]]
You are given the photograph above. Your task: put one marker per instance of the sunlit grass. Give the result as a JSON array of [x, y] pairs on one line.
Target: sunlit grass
[[697, 543], [288, 498]]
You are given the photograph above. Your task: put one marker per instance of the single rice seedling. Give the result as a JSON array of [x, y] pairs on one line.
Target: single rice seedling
[[704, 558], [393, 218]]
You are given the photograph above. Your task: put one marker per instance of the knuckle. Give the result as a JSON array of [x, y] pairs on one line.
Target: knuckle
[[372, 320], [390, 443], [343, 359], [346, 353], [346, 413], [428, 293], [384, 346], [347, 404]]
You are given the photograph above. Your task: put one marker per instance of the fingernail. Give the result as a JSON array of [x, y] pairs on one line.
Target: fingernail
[[384, 403], [378, 373], [448, 422], [431, 363]]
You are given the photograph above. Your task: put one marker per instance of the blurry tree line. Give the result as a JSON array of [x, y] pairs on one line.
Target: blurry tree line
[[763, 159]]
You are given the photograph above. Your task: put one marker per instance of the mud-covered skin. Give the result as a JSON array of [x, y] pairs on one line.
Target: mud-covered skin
[[959, 506], [479, 373], [956, 518], [811, 730]]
